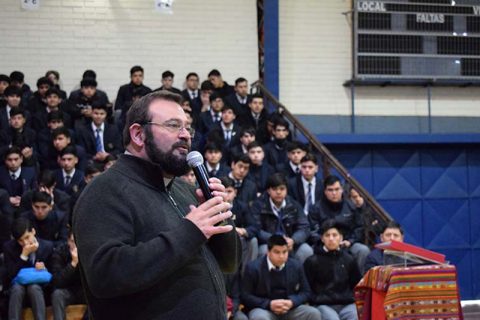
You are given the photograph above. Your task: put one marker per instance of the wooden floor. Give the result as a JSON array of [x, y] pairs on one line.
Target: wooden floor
[[74, 312]]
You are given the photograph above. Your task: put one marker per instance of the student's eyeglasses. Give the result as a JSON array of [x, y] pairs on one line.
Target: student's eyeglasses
[[175, 127]]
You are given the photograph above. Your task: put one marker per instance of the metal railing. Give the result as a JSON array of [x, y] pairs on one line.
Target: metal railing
[[329, 159]]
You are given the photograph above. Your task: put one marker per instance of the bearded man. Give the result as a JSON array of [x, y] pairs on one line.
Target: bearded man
[[150, 246]]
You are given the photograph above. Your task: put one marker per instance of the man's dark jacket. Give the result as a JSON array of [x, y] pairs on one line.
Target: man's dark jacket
[[139, 257]]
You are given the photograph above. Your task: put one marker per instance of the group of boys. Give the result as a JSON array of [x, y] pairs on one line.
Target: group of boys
[[53, 146]]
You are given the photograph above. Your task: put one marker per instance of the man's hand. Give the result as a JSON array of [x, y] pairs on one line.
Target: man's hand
[[208, 214], [290, 243], [277, 306], [15, 201], [27, 152], [74, 254], [39, 265], [242, 232], [218, 189], [345, 243], [29, 248], [100, 156]]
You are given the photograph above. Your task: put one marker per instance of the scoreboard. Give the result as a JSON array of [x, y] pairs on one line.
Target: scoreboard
[[425, 40]]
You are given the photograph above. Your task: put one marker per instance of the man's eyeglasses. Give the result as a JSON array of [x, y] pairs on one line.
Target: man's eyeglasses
[[175, 127]]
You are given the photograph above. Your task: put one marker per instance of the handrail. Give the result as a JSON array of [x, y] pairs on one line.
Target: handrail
[[327, 155]]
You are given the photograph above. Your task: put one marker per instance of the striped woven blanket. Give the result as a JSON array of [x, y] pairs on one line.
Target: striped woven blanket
[[420, 292]]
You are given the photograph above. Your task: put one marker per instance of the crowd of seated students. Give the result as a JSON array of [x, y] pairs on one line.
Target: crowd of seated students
[[52, 146]]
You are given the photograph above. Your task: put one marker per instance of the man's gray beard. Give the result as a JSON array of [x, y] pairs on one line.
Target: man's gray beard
[[171, 164]]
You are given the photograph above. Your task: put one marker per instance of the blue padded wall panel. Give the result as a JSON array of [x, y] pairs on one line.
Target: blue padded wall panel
[[462, 259], [445, 224], [475, 278], [358, 161], [444, 173], [475, 223], [474, 172], [397, 174]]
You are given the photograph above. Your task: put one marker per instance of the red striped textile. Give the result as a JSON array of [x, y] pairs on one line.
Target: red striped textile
[[420, 292]]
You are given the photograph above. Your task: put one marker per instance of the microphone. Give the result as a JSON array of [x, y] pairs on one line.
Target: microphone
[[195, 161]]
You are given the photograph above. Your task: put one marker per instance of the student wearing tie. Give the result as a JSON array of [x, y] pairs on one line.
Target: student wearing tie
[[98, 137], [306, 187], [68, 177], [238, 100], [213, 161], [275, 287], [225, 132], [14, 178], [209, 118]]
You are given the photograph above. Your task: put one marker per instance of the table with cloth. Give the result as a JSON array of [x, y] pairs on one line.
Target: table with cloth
[[416, 292]]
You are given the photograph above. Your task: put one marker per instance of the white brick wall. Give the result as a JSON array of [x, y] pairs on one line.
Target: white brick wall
[[112, 36], [315, 61]]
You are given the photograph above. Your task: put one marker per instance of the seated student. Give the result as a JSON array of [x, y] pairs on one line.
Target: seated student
[[208, 119], [167, 83], [206, 89], [80, 106], [17, 80], [62, 138], [256, 117], [332, 274], [392, 231], [373, 226], [25, 250], [190, 178], [49, 224], [87, 74], [225, 133], [238, 100], [246, 189], [39, 99], [53, 103], [192, 93], [306, 188], [276, 150], [13, 100], [244, 222], [67, 287], [134, 87], [333, 205], [44, 136], [23, 137], [246, 229], [221, 86], [68, 177], [46, 183], [246, 136], [295, 152], [275, 287], [14, 178], [260, 170], [4, 83], [54, 77], [99, 138], [277, 213], [213, 161]]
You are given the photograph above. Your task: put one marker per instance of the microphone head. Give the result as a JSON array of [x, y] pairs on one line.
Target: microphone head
[[194, 159]]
